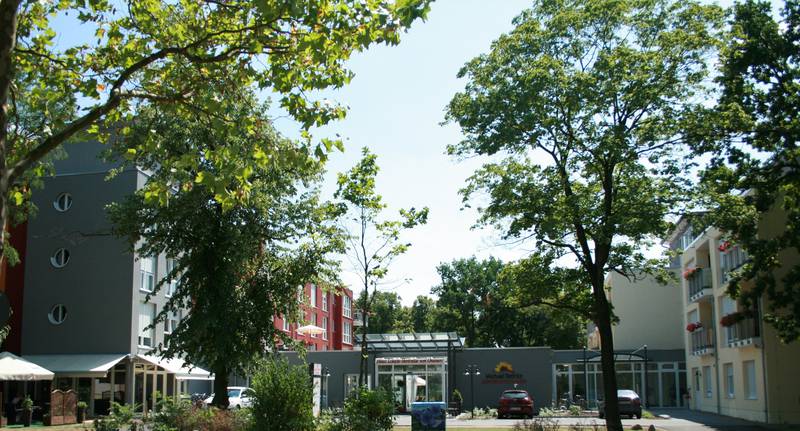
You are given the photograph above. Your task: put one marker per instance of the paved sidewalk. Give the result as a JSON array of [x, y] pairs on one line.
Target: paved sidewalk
[[681, 420]]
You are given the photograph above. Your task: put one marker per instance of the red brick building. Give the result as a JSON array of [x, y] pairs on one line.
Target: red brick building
[[333, 312]]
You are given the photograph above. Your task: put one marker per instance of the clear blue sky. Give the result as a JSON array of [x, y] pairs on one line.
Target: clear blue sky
[[397, 102]]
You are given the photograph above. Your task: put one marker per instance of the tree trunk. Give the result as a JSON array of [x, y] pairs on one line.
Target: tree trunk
[[603, 322], [220, 387], [364, 364]]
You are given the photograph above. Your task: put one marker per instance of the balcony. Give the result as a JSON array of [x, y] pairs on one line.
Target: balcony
[[358, 319], [699, 282], [746, 332], [702, 342]]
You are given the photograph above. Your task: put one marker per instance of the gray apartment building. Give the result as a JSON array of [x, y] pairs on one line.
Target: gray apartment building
[[85, 307]]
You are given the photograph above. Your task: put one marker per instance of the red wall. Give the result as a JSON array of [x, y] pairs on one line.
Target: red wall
[[333, 314]]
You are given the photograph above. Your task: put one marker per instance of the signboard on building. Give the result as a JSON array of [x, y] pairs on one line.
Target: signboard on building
[[504, 374]]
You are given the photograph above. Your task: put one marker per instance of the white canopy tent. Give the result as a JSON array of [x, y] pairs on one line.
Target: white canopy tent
[[12, 367], [310, 330]]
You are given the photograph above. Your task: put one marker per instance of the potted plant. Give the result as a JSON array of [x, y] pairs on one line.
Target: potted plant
[[46, 419], [27, 411], [81, 411], [457, 399]]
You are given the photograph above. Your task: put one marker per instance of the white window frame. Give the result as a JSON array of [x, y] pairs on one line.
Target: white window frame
[[325, 327], [730, 380], [707, 389], [67, 202], [347, 307], [347, 333], [324, 301], [313, 322], [750, 385], [60, 258], [148, 277], [150, 309], [172, 284], [285, 324], [312, 295]]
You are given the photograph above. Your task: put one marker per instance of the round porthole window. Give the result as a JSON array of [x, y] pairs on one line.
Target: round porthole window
[[60, 258], [63, 202], [57, 314]]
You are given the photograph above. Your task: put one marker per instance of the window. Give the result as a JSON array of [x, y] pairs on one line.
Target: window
[[314, 323], [749, 371], [172, 285], [347, 333], [347, 307], [729, 384], [325, 327], [285, 324], [171, 322], [350, 384], [312, 296], [147, 269], [147, 314], [324, 301], [60, 258], [57, 314], [63, 202], [707, 381]]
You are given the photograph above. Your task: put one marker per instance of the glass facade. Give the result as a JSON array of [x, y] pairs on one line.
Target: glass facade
[[413, 379], [666, 382]]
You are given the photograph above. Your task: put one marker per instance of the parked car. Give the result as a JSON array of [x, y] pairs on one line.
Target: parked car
[[629, 404], [238, 397], [515, 402]]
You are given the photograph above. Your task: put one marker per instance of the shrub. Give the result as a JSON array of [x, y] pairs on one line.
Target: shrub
[[282, 397], [575, 410], [366, 411], [172, 414], [457, 397], [120, 417], [547, 412], [538, 424]]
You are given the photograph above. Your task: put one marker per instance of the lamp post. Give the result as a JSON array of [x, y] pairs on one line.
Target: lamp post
[[472, 371]]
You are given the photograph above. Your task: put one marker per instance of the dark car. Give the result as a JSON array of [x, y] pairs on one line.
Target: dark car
[[515, 402], [629, 404]]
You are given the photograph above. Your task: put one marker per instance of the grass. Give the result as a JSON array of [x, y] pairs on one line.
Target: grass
[[564, 428]]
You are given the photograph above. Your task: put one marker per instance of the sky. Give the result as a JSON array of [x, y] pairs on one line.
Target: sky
[[397, 101]]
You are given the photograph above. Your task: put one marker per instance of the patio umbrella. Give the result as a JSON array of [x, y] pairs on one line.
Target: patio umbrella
[[310, 329], [12, 367]]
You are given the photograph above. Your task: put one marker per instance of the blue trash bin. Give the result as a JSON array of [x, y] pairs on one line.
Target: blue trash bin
[[428, 416]]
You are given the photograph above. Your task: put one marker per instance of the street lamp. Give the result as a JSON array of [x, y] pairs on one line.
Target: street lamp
[[472, 371]]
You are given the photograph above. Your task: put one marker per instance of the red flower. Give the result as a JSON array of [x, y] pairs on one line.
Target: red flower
[[725, 246]]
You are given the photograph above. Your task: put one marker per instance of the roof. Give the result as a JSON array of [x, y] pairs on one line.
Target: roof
[[182, 370], [84, 365], [413, 342]]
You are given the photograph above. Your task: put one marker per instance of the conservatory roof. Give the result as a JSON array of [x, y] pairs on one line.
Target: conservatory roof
[[413, 342]]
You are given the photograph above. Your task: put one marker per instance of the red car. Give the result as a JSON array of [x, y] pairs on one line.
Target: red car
[[515, 402]]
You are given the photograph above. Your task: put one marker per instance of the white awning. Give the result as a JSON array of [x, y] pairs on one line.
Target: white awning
[[310, 330], [85, 365], [12, 367], [181, 369]]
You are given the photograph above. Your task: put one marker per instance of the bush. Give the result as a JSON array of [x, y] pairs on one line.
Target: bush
[[282, 397], [213, 419], [538, 424], [172, 415], [547, 412], [366, 411], [120, 417], [575, 410]]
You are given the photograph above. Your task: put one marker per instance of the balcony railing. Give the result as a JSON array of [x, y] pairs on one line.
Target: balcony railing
[[744, 332], [699, 281], [702, 341], [731, 259]]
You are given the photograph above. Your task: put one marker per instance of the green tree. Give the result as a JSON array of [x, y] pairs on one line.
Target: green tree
[[374, 242], [283, 396], [237, 266], [188, 53], [386, 312], [587, 101], [752, 136], [463, 293], [423, 314]]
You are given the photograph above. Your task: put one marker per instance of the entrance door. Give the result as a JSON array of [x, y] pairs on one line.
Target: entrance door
[[399, 392], [697, 391]]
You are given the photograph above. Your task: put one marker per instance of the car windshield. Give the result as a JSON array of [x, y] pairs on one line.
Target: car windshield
[[233, 393], [515, 395]]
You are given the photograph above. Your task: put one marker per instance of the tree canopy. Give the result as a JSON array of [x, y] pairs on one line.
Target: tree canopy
[[236, 266], [583, 107], [189, 55], [751, 136]]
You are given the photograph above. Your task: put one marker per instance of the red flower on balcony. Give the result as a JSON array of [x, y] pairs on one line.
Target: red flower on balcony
[[689, 272], [725, 246], [732, 318], [694, 326]]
